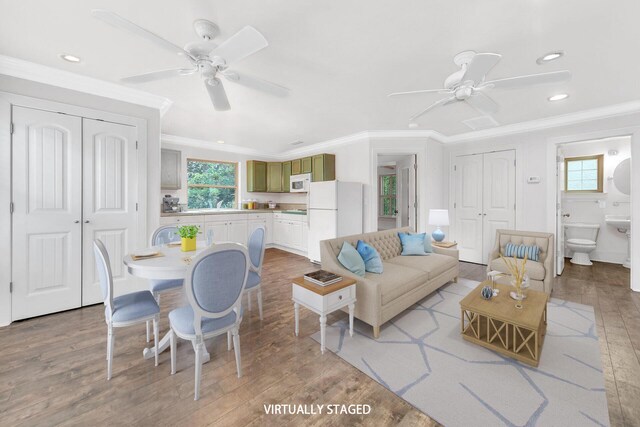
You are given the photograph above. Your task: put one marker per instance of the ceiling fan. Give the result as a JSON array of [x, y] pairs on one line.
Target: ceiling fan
[[468, 84], [204, 56]]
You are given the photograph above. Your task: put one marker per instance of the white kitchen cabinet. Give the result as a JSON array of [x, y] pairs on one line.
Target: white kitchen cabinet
[[184, 220], [290, 231], [237, 231], [219, 229]]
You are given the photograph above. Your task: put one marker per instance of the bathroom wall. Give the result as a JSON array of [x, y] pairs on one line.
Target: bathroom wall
[[592, 208]]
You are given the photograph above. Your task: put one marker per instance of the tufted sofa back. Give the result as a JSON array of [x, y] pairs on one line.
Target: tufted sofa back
[[529, 238], [386, 242]]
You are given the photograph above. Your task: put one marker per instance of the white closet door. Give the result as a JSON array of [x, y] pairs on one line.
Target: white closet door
[[499, 196], [109, 201], [468, 206], [47, 189]]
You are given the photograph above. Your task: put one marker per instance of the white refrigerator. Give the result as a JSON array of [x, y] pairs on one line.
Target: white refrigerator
[[335, 210]]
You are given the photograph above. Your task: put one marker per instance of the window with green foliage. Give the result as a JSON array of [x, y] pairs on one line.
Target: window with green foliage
[[211, 184], [387, 189], [584, 174]]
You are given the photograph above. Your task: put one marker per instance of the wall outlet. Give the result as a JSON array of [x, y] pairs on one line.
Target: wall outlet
[[534, 180]]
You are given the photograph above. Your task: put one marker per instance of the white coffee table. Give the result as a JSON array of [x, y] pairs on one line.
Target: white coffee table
[[323, 300]]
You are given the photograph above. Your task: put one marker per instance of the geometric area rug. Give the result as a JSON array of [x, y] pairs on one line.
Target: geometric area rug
[[421, 357]]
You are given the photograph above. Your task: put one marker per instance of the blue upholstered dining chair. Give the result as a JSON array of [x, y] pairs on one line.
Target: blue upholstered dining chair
[[256, 247], [162, 236], [214, 286], [125, 310]]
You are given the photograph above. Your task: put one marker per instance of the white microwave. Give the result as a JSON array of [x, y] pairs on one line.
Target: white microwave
[[299, 183]]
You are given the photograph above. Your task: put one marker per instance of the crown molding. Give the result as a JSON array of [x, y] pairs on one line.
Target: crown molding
[[22, 69], [211, 145]]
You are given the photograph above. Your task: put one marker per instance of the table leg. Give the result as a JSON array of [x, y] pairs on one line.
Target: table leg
[[351, 309], [296, 309], [164, 343], [323, 330]]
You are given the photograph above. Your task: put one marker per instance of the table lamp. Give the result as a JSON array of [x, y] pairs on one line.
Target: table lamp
[[439, 218]]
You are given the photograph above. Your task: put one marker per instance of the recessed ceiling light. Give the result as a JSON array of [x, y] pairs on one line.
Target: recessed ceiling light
[[69, 58], [413, 125], [558, 97], [220, 141], [298, 142], [551, 56]]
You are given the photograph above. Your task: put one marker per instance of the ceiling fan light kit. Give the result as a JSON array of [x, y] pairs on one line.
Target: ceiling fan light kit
[[558, 97], [70, 58], [469, 83], [551, 56], [206, 57]]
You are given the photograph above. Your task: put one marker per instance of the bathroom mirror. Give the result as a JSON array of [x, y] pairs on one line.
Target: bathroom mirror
[[622, 176]]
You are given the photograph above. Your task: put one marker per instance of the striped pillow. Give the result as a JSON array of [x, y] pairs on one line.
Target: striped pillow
[[533, 251]]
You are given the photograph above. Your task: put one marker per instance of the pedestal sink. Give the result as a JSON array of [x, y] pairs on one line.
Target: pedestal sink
[[623, 224]]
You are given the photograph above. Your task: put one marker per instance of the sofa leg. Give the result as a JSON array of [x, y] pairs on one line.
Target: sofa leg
[[376, 332], [455, 279]]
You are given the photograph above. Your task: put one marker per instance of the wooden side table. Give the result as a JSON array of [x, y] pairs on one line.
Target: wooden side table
[[323, 300], [446, 245]]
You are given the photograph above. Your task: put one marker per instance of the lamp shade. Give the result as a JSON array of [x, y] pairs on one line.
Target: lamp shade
[[439, 217]]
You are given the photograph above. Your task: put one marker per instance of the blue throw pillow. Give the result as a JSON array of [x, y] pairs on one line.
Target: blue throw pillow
[[371, 257], [533, 251], [428, 248], [412, 244], [351, 259]]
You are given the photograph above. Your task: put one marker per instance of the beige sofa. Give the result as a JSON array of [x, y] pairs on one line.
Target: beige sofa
[[404, 281], [540, 273]]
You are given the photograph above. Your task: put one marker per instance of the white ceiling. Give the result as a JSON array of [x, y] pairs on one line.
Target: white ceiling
[[341, 58]]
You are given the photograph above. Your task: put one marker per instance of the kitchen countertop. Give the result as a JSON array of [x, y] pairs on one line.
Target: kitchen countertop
[[231, 212]]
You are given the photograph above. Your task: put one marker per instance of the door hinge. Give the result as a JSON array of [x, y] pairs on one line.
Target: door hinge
[[11, 207], [11, 128], [455, 167], [136, 145], [514, 162], [454, 205], [10, 287], [136, 207]]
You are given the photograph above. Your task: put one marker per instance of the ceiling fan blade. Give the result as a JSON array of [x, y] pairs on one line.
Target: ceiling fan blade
[[411, 92], [443, 101], [120, 22], [529, 80], [245, 42], [483, 103], [158, 75], [217, 94], [256, 83], [479, 66]]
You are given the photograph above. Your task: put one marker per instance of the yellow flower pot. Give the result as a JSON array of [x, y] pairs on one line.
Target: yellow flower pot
[[188, 244]]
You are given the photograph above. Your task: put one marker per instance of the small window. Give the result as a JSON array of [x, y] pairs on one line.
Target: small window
[[387, 189], [211, 184], [583, 174]]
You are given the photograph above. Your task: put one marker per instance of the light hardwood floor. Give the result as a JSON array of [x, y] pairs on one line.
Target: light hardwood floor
[[53, 369]]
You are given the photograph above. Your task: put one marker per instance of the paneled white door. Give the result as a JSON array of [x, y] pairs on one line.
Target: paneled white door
[[559, 214], [499, 197], [109, 201], [468, 207], [47, 232]]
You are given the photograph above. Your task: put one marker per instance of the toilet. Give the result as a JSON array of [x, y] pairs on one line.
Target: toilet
[[581, 239]]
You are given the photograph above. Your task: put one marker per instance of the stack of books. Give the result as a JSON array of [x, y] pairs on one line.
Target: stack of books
[[322, 278]]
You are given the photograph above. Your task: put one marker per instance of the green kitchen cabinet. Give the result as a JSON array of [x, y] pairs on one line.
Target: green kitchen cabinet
[[274, 177], [306, 165], [324, 167], [296, 166], [286, 176], [256, 176]]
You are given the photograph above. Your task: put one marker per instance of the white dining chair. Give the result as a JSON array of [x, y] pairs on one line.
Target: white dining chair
[[214, 286], [125, 310], [256, 245], [161, 236]]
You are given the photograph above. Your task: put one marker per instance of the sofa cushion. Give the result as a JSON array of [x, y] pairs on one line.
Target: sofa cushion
[[351, 259], [397, 280], [433, 265], [371, 257], [412, 244], [535, 270]]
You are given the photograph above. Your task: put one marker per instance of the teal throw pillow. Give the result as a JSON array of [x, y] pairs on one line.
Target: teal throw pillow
[[428, 248], [371, 257], [351, 259], [412, 244]]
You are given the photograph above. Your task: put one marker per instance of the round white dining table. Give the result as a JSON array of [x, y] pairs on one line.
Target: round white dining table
[[173, 264]]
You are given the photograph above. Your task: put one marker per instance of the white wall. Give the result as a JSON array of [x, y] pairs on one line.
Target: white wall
[[611, 245]]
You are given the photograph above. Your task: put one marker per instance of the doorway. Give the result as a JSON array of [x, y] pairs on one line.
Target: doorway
[[397, 205], [593, 202]]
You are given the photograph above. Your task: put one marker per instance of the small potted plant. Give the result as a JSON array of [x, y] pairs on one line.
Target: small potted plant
[[188, 235]]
